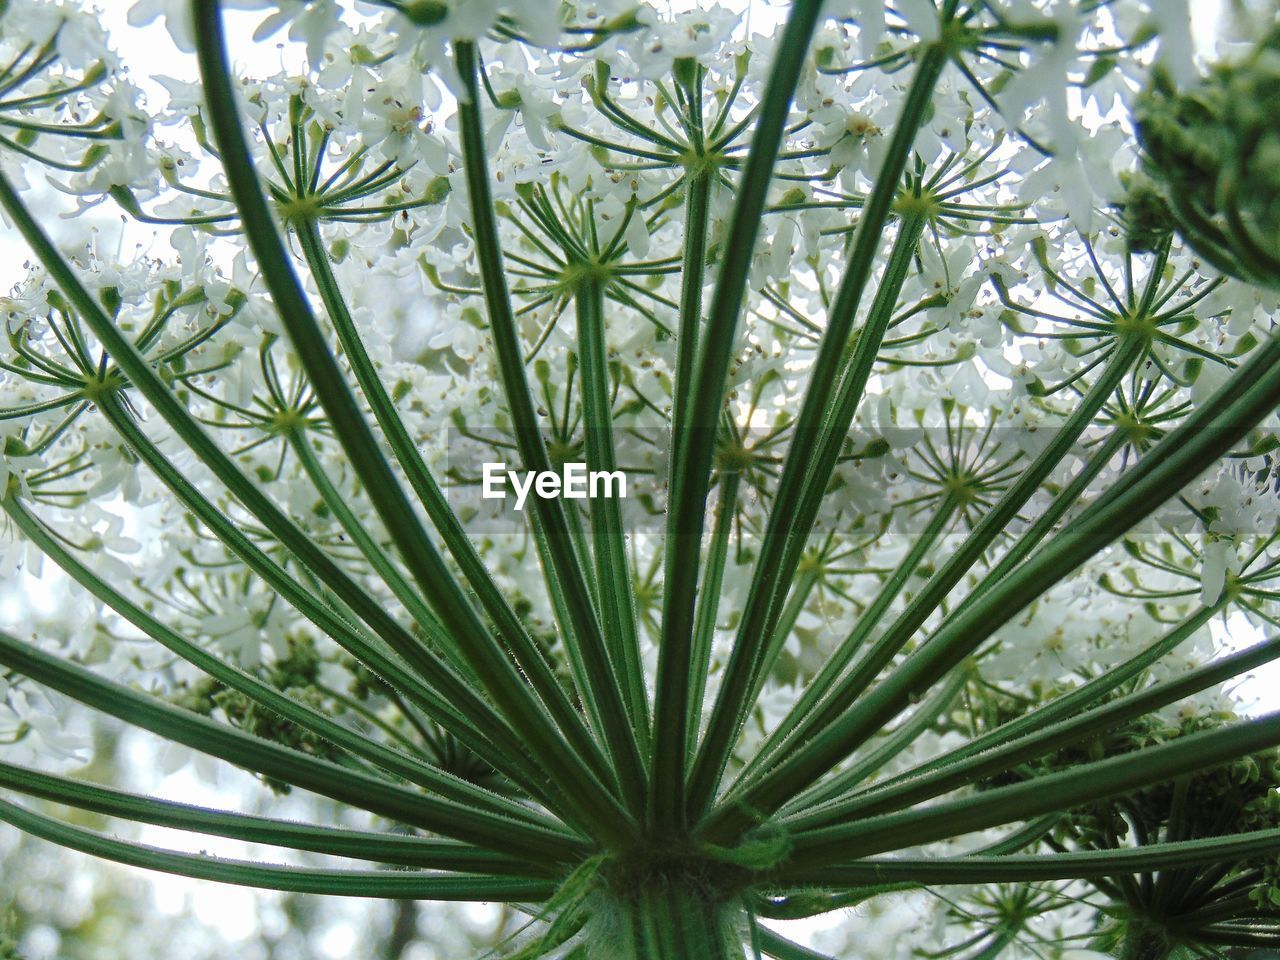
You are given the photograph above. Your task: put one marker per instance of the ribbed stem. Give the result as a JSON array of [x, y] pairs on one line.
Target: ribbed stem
[[694, 439], [1145, 940], [672, 920]]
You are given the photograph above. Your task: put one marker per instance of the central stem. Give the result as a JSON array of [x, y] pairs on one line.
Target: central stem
[[1145, 940], [669, 913]]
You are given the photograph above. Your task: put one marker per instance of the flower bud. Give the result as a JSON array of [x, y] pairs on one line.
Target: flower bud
[[1212, 149]]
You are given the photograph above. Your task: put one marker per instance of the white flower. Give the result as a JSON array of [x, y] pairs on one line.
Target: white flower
[[176, 15], [691, 35], [1172, 19], [1218, 558], [311, 22]]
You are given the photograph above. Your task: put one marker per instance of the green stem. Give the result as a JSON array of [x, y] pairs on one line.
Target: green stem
[[895, 744], [1180, 457], [512, 631], [380, 884], [447, 694], [573, 649], [1236, 907], [408, 851], [928, 783], [448, 699], [664, 920], [693, 439], [465, 806], [806, 473], [693, 276], [604, 687], [991, 526], [1082, 784], [800, 593], [579, 790], [613, 569], [830, 671], [372, 551], [709, 601], [242, 749], [1082, 697], [1145, 939]]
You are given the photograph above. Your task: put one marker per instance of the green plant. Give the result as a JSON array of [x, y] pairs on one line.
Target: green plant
[[923, 542]]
